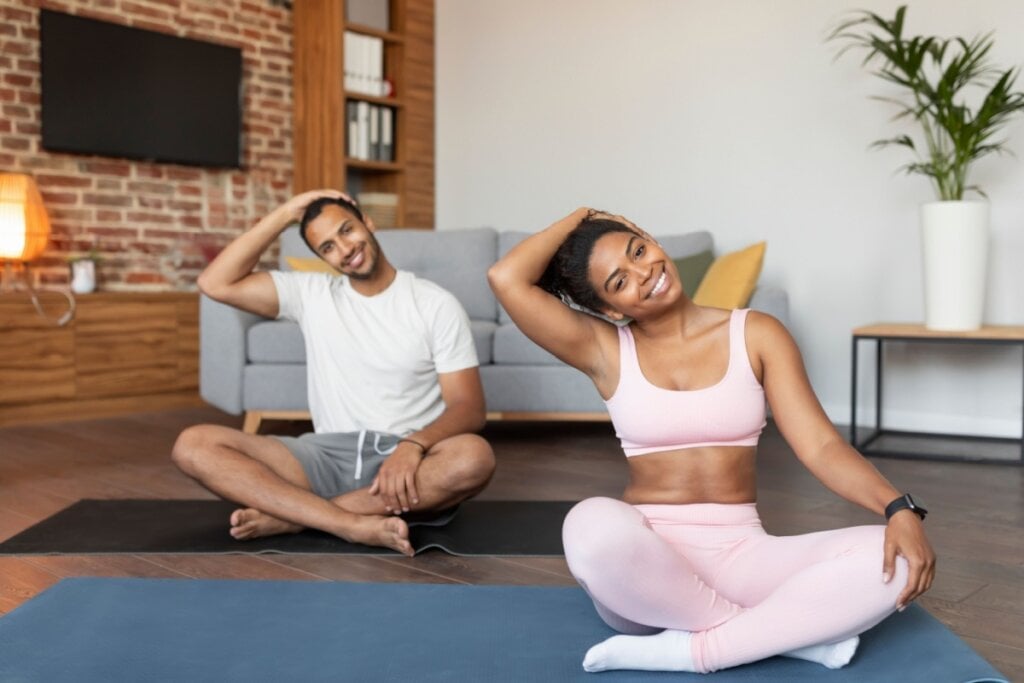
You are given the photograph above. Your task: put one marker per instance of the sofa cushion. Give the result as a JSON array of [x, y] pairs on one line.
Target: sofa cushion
[[275, 341], [277, 386], [544, 388], [483, 339], [311, 264], [692, 269], [687, 243], [731, 279], [512, 347], [455, 259]]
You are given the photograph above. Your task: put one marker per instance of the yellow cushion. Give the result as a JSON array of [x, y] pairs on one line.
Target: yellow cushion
[[731, 279], [309, 265]]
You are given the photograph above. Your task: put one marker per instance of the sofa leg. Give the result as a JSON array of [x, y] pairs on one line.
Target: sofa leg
[[253, 418]]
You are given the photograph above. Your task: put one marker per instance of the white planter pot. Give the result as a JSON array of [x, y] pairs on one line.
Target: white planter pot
[[954, 238], [83, 276]]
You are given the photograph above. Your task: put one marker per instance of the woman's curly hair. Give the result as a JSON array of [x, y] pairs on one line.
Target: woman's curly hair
[[568, 271]]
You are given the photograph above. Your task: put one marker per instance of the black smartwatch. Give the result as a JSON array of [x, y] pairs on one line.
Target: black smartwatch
[[905, 502]]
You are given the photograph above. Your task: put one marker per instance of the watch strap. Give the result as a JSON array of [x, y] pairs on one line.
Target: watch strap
[[904, 502]]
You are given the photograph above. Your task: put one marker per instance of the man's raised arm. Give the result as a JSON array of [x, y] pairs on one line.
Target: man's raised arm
[[230, 279]]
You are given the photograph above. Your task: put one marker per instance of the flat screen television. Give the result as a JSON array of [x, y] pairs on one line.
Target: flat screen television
[[124, 92]]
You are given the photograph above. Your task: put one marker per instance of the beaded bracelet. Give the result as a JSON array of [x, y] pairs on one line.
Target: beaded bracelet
[[413, 441]]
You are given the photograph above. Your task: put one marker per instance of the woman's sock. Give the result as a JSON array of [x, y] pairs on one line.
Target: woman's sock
[[665, 651], [832, 655], [670, 651]]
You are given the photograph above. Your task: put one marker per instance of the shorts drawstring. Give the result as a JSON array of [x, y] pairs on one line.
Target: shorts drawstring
[[359, 454], [376, 447]]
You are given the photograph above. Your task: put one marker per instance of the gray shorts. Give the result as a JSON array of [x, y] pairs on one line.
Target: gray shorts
[[340, 462]]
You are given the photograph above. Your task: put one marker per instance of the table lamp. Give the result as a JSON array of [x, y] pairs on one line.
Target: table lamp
[[24, 234]]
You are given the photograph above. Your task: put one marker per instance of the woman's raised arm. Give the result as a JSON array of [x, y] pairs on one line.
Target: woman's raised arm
[[566, 333]]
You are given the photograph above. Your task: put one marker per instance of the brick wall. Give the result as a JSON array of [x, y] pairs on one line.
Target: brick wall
[[151, 223]]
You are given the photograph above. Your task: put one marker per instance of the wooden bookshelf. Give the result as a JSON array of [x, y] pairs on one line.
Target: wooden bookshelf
[[123, 352], [319, 105], [378, 166], [386, 36]]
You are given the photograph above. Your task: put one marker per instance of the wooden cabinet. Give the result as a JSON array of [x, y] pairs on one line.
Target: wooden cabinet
[[319, 105], [123, 352]]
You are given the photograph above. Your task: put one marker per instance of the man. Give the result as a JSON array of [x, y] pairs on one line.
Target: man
[[394, 389]]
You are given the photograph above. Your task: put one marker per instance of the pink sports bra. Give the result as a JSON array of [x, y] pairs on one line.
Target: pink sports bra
[[649, 419]]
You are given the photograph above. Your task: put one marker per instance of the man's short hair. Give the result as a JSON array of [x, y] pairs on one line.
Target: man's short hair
[[317, 206]]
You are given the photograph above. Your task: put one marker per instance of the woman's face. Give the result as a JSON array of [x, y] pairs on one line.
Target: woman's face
[[633, 275]]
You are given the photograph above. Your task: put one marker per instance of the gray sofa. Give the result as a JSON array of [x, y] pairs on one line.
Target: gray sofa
[[257, 366]]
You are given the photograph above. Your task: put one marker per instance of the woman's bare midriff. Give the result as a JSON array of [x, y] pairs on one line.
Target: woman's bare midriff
[[713, 474]]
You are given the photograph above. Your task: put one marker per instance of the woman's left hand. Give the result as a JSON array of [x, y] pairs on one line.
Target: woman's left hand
[[904, 535]]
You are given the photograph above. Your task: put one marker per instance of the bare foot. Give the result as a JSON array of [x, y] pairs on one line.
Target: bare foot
[[387, 531], [249, 523]]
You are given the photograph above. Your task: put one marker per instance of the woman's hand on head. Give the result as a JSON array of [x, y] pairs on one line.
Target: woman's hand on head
[[604, 215]]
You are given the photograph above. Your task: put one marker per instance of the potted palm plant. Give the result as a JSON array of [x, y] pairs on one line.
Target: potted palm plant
[[960, 103]]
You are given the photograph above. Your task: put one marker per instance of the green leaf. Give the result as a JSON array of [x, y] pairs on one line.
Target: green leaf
[[933, 75]]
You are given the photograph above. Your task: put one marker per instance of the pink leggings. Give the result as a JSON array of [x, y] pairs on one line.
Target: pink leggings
[[711, 569]]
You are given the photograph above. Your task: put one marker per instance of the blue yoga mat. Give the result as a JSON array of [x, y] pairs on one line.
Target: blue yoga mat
[[216, 630]]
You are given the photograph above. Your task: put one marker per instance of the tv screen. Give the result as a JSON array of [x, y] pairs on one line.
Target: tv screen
[[124, 92]]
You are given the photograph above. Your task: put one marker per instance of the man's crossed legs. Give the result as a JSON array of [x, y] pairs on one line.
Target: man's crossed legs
[[262, 474]]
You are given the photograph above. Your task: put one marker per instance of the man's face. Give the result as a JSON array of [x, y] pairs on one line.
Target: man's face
[[345, 242]]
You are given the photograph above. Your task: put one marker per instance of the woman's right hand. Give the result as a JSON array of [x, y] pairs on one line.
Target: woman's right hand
[[597, 213]]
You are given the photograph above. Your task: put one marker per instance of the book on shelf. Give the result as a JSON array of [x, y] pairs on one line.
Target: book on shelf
[[387, 134], [370, 131], [363, 137], [351, 128], [374, 137], [364, 65], [382, 207]]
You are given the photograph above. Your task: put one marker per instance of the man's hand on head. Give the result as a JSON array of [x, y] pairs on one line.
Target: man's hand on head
[[296, 206], [395, 483]]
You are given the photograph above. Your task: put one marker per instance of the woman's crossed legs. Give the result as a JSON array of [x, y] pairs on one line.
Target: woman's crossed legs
[[728, 592]]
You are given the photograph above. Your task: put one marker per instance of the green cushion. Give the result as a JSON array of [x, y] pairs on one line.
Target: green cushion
[[692, 270]]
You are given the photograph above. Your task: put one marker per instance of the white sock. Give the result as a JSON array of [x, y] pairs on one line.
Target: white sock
[[832, 655], [670, 651], [665, 651]]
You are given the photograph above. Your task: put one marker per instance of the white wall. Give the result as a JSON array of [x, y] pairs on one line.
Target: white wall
[[731, 116]]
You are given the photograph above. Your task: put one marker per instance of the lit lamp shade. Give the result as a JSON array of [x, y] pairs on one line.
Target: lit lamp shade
[[24, 225]]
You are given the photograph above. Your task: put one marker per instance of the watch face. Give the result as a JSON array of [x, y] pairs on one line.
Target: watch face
[[916, 505]]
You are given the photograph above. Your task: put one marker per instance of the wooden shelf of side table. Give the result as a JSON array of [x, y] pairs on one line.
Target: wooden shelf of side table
[[908, 444], [124, 352]]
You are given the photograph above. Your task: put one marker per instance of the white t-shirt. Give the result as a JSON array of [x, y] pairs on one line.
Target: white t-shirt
[[372, 362]]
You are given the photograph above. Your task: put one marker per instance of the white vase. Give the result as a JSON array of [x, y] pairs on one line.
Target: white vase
[[954, 239], [83, 276]]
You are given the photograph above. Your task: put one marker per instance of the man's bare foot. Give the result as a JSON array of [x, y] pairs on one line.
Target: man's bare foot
[[381, 530], [249, 523]]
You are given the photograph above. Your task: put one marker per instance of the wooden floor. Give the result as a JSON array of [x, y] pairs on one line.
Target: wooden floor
[[975, 525]]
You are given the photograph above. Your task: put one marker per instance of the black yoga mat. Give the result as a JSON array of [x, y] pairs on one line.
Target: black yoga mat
[[201, 526]]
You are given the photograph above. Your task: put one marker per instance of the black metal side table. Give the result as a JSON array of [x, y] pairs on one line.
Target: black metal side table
[[925, 445]]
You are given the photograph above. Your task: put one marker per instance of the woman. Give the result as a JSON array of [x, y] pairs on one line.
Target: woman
[[683, 554]]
